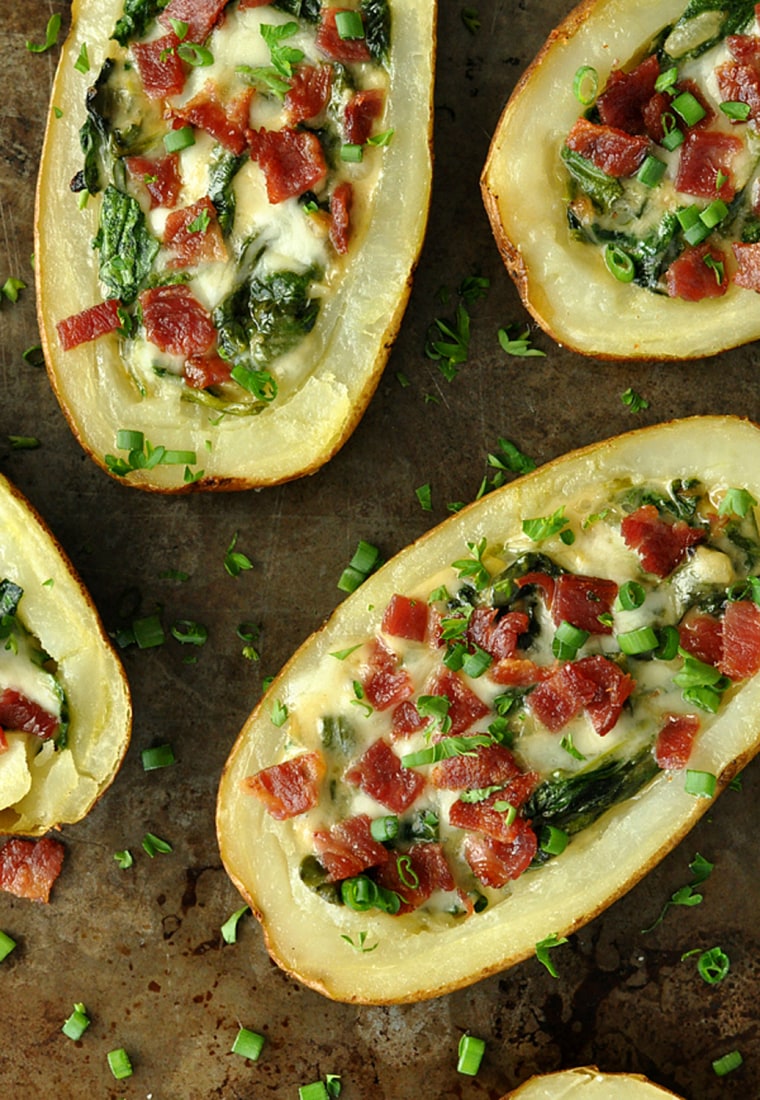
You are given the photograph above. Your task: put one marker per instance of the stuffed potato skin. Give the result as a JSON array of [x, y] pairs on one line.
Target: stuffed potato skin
[[563, 284], [351, 339], [305, 935], [58, 611], [588, 1083]]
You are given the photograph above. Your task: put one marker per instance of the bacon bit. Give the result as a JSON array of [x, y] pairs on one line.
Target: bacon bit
[[330, 43], [3, 741], [200, 15], [161, 69], [674, 741], [690, 276], [706, 157], [362, 111], [498, 637], [661, 545], [624, 99], [348, 848], [243, 4], [28, 868], [406, 720], [382, 776], [744, 47], [341, 202], [385, 683], [486, 766], [494, 862], [88, 325], [292, 161], [202, 371], [701, 635], [612, 151], [226, 122], [739, 82], [613, 687], [309, 92], [748, 272], [175, 321], [741, 640], [288, 789], [406, 618], [416, 874], [160, 178], [652, 116], [18, 712], [580, 601], [484, 817], [563, 695], [519, 672], [193, 235], [465, 707]]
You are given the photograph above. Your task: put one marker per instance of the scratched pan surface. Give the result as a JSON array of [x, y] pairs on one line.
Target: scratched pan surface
[[142, 948]]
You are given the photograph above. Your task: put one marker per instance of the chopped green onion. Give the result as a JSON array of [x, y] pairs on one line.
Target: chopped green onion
[[119, 1063], [630, 596], [153, 845], [567, 744], [317, 1090], [51, 35], [11, 288], [553, 840], [585, 85], [124, 859], [633, 642], [735, 110], [365, 560], [148, 631], [349, 24], [619, 263], [700, 784], [248, 1044], [713, 213], [229, 928], [23, 442], [7, 944], [651, 171], [362, 893], [384, 828], [672, 137], [34, 356], [669, 641], [128, 440], [383, 138], [688, 107], [180, 28], [635, 403], [470, 1052], [571, 635], [424, 495], [727, 1063], [177, 140], [160, 756], [666, 79], [77, 1023], [351, 154], [179, 458], [188, 632], [475, 663]]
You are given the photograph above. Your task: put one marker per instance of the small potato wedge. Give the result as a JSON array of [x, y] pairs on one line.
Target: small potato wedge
[[588, 1083], [227, 329], [400, 808], [553, 233], [48, 780]]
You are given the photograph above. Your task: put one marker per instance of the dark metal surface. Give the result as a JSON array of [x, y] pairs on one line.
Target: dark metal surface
[[142, 948]]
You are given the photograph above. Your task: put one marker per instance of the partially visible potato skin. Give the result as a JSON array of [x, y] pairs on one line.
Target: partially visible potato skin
[[303, 933], [57, 608], [589, 1083], [295, 436]]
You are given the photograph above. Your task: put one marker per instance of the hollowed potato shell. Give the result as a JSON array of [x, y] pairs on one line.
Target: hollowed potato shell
[[58, 611], [304, 933], [355, 328], [564, 284], [587, 1083]]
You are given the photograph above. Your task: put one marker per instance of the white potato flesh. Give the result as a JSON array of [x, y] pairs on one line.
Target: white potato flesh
[[355, 327], [564, 284], [60, 787], [588, 1083], [304, 933]]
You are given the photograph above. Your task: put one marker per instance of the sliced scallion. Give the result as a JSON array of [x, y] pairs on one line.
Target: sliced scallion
[[7, 944], [159, 756], [349, 24], [633, 642], [552, 840], [735, 109], [700, 784], [475, 663], [727, 1063], [669, 641], [585, 85], [77, 1023], [119, 1063], [384, 828], [177, 140], [248, 1044], [619, 263], [351, 154], [148, 631], [651, 171], [630, 596], [188, 632], [153, 845], [666, 79], [688, 107], [229, 928], [471, 1051]]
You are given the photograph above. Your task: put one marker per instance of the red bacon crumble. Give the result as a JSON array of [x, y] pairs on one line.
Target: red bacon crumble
[[309, 92], [200, 15], [613, 688], [292, 161], [488, 816], [175, 321], [362, 111], [701, 635], [382, 776], [519, 672], [739, 82], [330, 43], [416, 874], [18, 712], [660, 544], [160, 178], [385, 683], [192, 235], [161, 69], [465, 707], [498, 636], [496, 862], [748, 260], [580, 601], [741, 640], [88, 325], [202, 371], [288, 789], [406, 720], [674, 741], [341, 202], [406, 618], [226, 122], [612, 151], [594, 684], [705, 165], [692, 278], [28, 868], [348, 848], [486, 765], [624, 99], [538, 580]]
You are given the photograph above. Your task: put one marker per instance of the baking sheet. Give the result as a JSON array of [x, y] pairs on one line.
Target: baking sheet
[[142, 948]]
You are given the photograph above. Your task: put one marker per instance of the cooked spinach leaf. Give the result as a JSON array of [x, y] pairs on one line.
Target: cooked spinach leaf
[[681, 500], [704, 23], [10, 595], [223, 166], [310, 10], [377, 27], [136, 18], [94, 135], [126, 247], [602, 189]]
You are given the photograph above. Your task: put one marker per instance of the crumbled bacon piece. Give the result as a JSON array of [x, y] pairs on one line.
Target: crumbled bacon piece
[[175, 321], [161, 70], [200, 15], [385, 682], [674, 741], [626, 95], [193, 236], [748, 260], [227, 122], [28, 868], [341, 202], [160, 178], [309, 92], [292, 161], [416, 874], [290, 788], [612, 151], [88, 325], [581, 600], [661, 544], [348, 848], [705, 166], [698, 273], [741, 640], [381, 775], [363, 109], [496, 862]]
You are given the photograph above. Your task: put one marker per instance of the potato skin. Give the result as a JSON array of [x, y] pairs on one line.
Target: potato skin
[[355, 334], [565, 287], [59, 611], [588, 1083], [303, 933]]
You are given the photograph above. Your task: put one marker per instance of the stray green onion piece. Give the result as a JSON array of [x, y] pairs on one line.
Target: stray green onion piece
[[727, 1063], [384, 828], [188, 632], [229, 928], [351, 154], [119, 1063], [11, 287], [700, 784], [82, 63], [159, 756], [553, 840], [471, 1050], [317, 1090], [349, 24], [124, 859], [586, 85], [7, 944], [736, 110], [366, 559], [77, 1023], [633, 642], [713, 965], [630, 596], [651, 171], [618, 263], [148, 631], [153, 844], [177, 140], [248, 1044], [688, 107]]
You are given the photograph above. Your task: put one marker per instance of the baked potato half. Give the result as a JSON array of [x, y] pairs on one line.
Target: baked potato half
[[65, 708], [588, 1083], [428, 789], [248, 277], [598, 250]]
